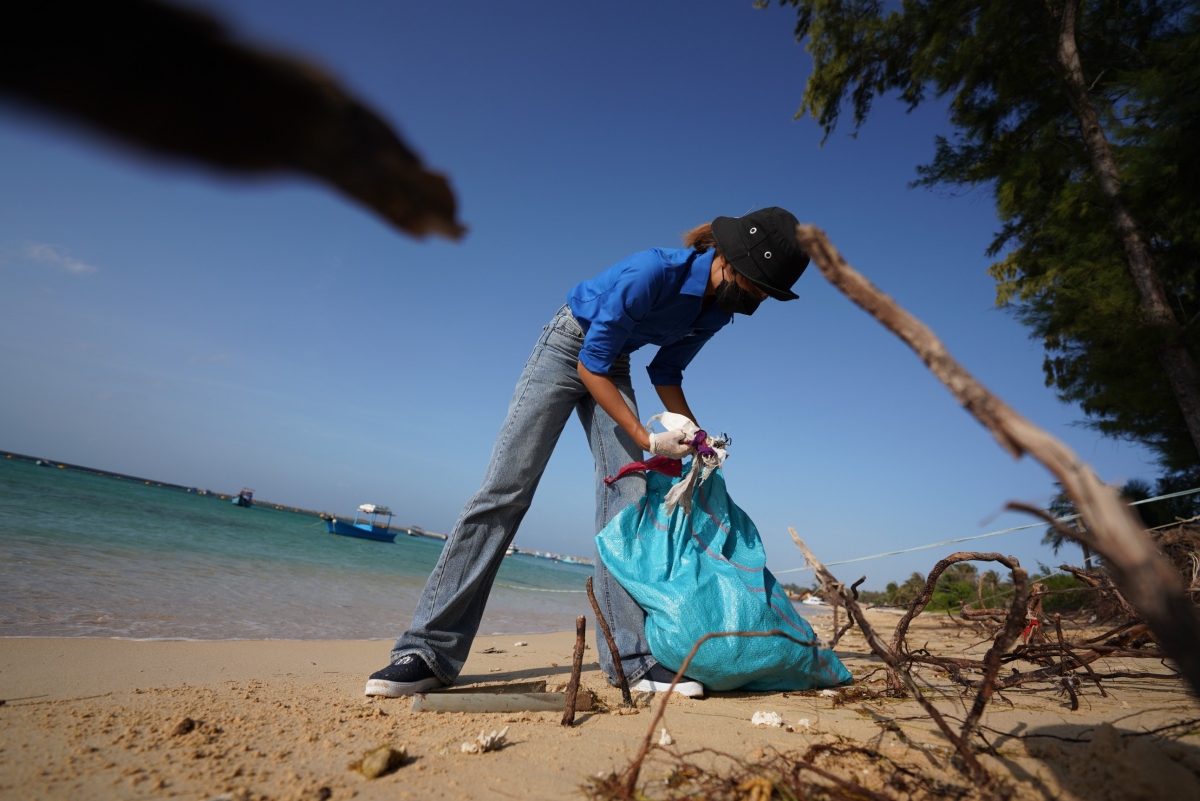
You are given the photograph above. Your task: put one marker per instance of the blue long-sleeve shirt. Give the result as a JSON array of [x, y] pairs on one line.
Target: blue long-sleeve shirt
[[651, 298]]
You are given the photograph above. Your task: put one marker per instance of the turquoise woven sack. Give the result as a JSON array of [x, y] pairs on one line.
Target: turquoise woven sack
[[705, 572]]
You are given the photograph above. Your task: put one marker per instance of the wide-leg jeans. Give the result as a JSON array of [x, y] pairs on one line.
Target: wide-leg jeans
[[452, 603]]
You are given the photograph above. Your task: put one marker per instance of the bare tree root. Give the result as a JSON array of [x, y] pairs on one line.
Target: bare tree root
[[922, 600]]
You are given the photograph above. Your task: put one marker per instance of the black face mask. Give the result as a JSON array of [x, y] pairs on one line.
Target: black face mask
[[734, 300]]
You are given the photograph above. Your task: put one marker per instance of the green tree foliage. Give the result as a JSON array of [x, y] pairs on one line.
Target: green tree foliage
[[1159, 514], [1064, 272], [1156, 514], [1062, 506], [956, 587]]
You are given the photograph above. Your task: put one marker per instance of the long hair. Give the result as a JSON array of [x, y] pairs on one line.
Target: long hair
[[701, 238]]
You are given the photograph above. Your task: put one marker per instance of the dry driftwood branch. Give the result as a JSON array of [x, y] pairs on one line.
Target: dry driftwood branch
[[622, 682], [838, 633], [1102, 582], [834, 587], [1062, 665], [173, 81], [1146, 579], [576, 670], [628, 779]]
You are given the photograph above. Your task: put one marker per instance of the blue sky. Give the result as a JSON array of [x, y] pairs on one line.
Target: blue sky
[[165, 321]]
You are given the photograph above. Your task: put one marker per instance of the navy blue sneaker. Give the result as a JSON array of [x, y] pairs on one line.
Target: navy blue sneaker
[[408, 675]]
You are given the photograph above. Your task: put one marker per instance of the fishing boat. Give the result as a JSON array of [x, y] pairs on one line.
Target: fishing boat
[[364, 524], [245, 498]]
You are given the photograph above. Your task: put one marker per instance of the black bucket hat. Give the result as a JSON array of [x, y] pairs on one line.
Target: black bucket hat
[[762, 246]]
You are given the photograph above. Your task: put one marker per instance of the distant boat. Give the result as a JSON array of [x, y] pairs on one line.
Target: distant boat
[[512, 551], [365, 529], [417, 531], [245, 498]]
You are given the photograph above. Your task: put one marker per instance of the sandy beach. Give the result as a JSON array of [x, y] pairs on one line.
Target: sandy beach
[[103, 718]]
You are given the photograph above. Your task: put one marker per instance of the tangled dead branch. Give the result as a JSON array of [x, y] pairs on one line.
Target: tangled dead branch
[[898, 674], [1144, 576]]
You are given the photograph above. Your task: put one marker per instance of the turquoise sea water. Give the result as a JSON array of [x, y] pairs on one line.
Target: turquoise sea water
[[83, 555]]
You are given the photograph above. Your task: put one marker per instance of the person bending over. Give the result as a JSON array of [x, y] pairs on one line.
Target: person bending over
[[676, 299]]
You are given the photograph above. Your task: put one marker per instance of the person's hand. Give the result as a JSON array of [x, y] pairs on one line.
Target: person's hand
[[671, 444]]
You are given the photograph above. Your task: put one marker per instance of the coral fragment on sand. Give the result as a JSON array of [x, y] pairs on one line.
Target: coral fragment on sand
[[486, 742], [767, 719]]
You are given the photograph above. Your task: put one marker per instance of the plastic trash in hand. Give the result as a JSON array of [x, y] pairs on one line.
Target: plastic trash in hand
[[710, 454]]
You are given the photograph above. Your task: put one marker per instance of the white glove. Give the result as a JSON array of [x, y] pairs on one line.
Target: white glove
[[671, 444]]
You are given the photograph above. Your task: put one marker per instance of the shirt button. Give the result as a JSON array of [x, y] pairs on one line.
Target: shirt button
[[754, 230], [767, 255]]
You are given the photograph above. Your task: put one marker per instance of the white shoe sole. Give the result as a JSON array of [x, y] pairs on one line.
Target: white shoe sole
[[396, 689], [691, 689]]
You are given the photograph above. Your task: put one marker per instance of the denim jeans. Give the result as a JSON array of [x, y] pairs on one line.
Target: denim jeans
[[452, 603]]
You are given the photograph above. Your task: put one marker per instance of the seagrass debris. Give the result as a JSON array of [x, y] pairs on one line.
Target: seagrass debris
[[787, 775], [1145, 578], [622, 682], [381, 761]]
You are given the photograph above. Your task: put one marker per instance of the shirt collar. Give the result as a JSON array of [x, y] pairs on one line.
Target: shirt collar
[[697, 279]]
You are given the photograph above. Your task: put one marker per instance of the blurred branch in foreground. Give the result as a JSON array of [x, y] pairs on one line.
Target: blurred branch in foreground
[[171, 80]]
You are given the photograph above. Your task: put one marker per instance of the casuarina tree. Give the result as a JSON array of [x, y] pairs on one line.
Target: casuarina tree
[[1082, 118]]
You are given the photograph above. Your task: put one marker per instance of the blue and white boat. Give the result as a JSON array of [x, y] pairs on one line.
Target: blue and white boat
[[245, 498], [365, 528]]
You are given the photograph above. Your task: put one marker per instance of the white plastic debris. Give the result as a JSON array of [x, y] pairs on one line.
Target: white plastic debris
[[665, 738], [486, 742], [803, 723], [767, 719], [829, 693], [520, 643]]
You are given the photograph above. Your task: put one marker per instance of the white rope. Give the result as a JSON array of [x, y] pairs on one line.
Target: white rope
[[1066, 519], [905, 550]]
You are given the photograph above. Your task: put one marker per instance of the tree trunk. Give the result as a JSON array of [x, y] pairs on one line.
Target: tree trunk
[[1176, 361]]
